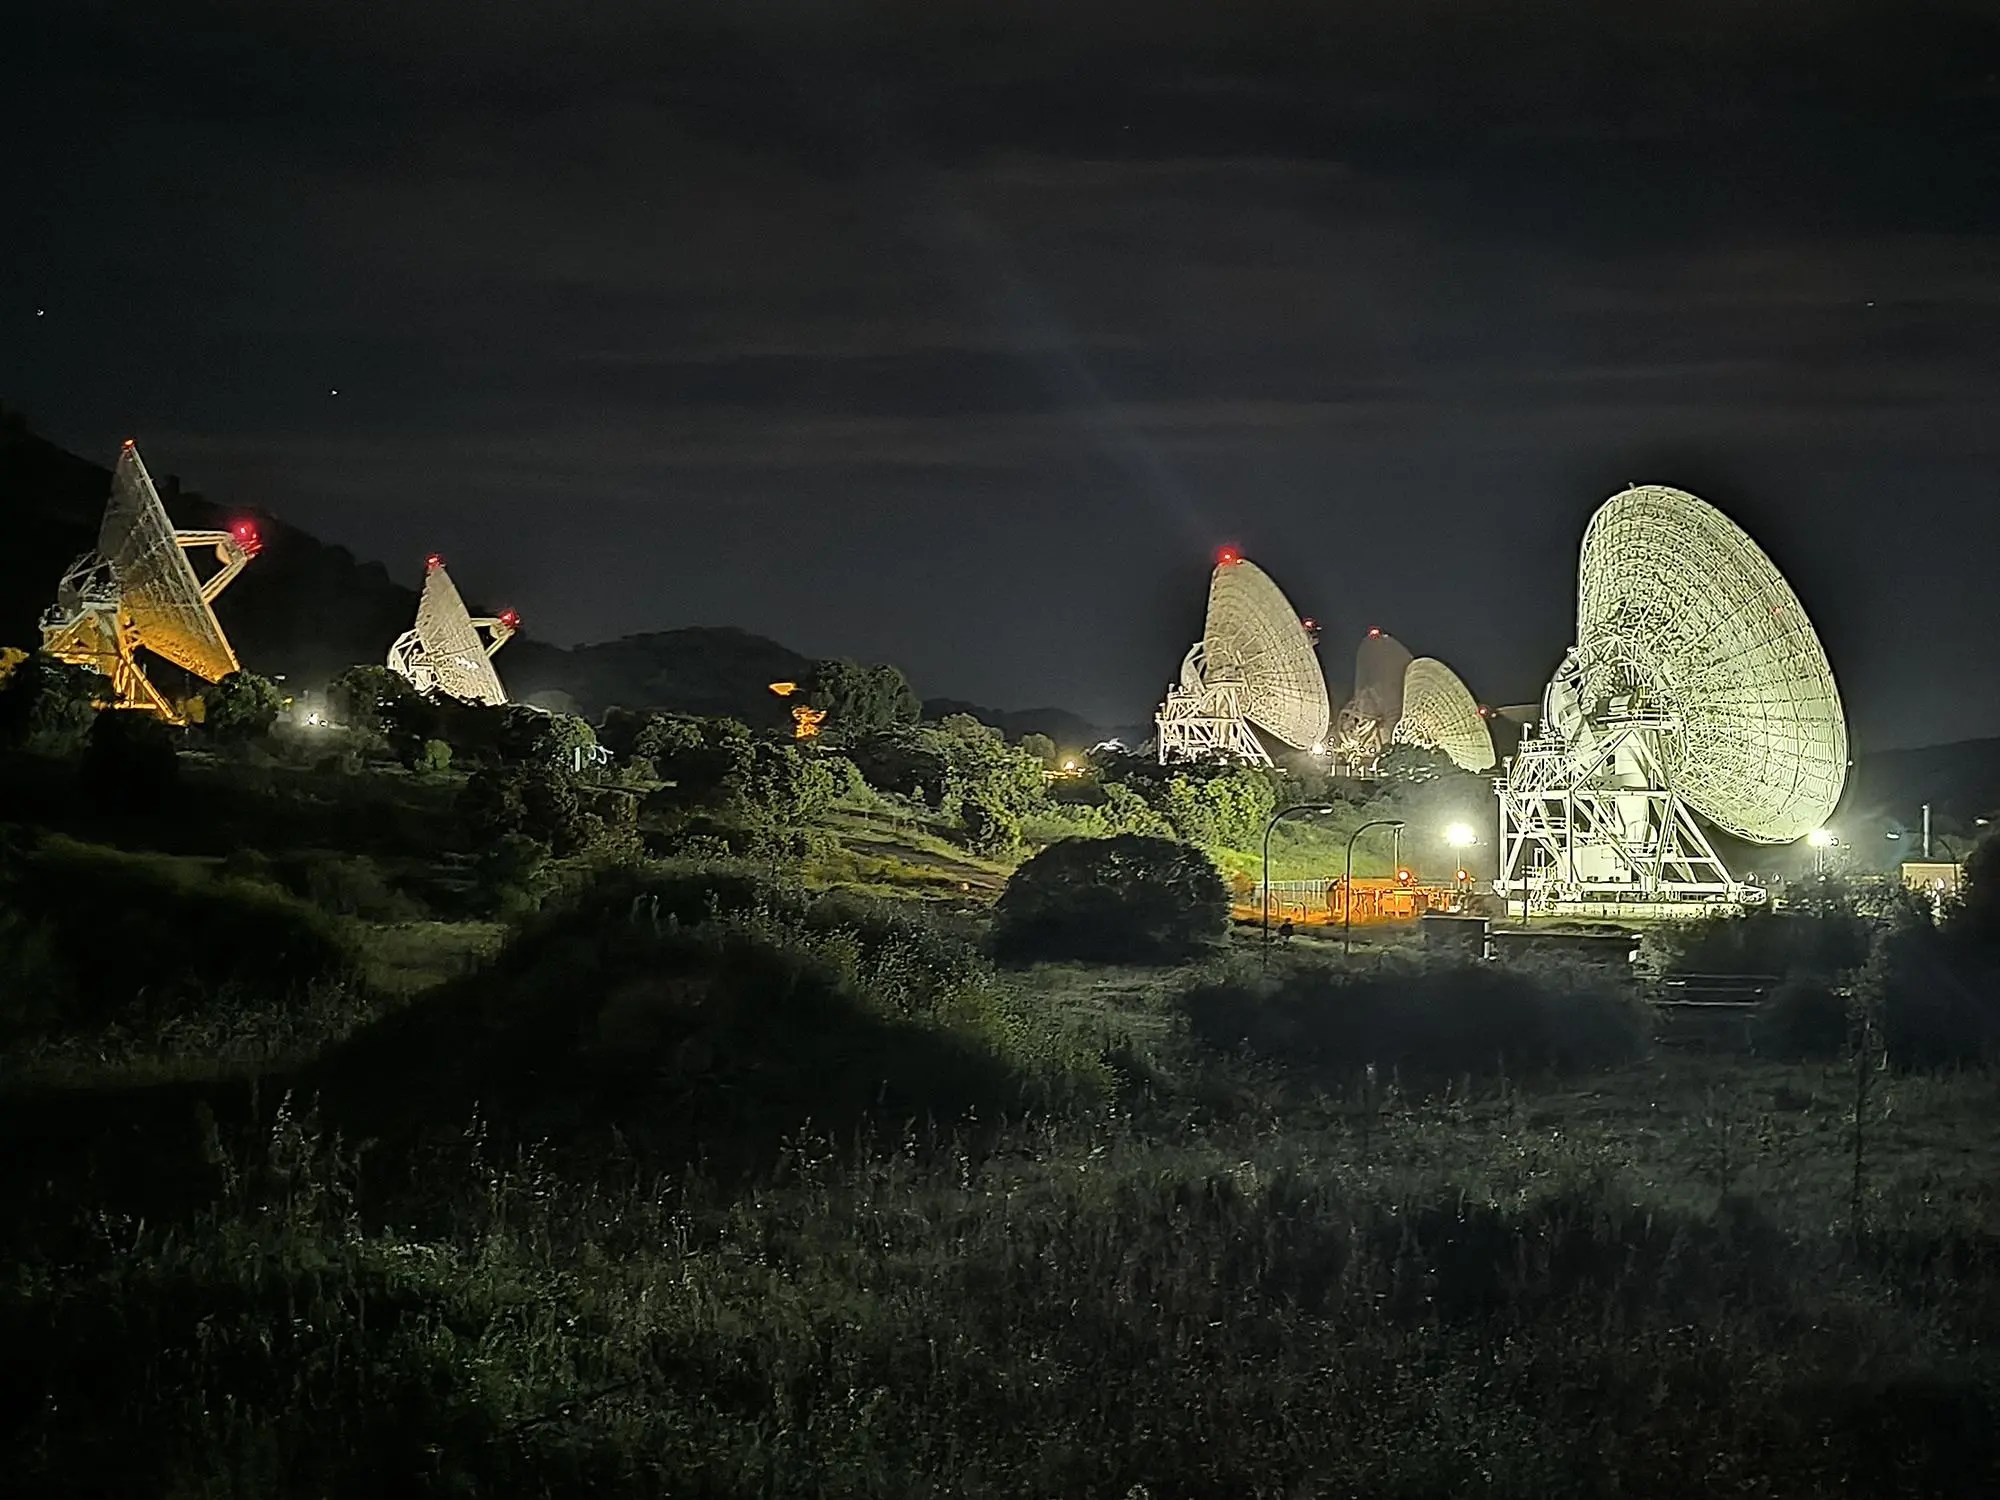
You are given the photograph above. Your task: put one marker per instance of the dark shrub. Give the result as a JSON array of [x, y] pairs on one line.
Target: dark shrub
[[133, 929], [352, 885], [130, 763], [48, 704], [1937, 1004], [1425, 1021], [1805, 1018], [1127, 899]]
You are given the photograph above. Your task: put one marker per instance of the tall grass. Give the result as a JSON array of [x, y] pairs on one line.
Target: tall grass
[[1033, 1321], [1422, 1019]]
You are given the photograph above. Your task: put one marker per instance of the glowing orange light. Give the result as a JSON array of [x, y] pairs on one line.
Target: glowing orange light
[[1405, 876], [1464, 875], [128, 442], [784, 689], [806, 721]]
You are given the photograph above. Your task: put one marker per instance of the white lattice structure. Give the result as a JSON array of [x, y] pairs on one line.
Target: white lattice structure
[[1697, 692], [138, 591], [444, 651], [1254, 668], [1440, 713]]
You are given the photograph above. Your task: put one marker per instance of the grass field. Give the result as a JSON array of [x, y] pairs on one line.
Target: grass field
[[699, 1183]]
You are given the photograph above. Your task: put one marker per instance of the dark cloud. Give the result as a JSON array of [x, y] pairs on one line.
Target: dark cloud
[[957, 335]]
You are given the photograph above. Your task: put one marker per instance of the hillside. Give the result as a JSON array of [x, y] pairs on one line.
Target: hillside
[[307, 608]]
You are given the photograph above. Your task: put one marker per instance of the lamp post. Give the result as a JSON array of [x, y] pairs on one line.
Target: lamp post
[[1821, 840], [1347, 890], [1283, 812]]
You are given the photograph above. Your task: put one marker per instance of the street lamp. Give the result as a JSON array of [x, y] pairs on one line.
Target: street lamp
[[1281, 813], [1821, 840], [1347, 890], [1460, 836]]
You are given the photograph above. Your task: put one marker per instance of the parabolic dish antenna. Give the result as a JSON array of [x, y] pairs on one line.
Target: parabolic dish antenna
[[1679, 611], [1368, 719], [138, 590], [444, 652], [1697, 686], [1440, 713], [1254, 665]]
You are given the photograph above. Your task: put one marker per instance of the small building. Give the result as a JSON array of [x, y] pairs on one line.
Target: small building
[[1938, 879]]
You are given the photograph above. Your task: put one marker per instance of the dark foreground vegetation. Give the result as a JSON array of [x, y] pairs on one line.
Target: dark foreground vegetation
[[450, 1124]]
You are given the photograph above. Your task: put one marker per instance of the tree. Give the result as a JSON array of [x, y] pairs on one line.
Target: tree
[[859, 700], [1126, 899], [243, 706], [1042, 748], [1223, 810], [1977, 913], [371, 700], [531, 737], [696, 757], [48, 704], [535, 801], [433, 759]]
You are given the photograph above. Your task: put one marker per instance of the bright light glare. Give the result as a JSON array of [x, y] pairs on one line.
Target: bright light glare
[[1460, 835], [1820, 838]]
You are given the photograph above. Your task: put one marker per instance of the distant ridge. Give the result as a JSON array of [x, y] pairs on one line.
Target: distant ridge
[[306, 609]]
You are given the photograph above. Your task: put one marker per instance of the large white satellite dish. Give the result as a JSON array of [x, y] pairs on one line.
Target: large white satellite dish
[[1253, 668], [1367, 721], [1697, 691], [139, 591], [1440, 713], [444, 651]]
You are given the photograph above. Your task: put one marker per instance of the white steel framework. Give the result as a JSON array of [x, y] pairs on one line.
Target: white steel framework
[[138, 590], [1697, 692], [1254, 668], [444, 651]]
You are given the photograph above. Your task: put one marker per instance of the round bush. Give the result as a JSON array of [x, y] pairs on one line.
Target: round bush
[[1130, 899]]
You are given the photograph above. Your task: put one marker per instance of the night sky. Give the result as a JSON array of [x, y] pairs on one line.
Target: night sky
[[944, 335]]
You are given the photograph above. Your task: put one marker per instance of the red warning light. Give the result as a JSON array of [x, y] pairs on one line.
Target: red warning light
[[1310, 623], [509, 618], [433, 563], [1404, 877], [1373, 631], [1227, 556], [247, 540], [128, 442], [1485, 712]]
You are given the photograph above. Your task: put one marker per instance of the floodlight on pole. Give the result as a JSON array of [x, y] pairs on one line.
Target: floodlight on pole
[[1460, 836], [1347, 890], [1283, 812]]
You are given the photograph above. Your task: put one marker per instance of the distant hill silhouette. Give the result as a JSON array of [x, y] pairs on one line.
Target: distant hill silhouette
[[305, 608], [1960, 780]]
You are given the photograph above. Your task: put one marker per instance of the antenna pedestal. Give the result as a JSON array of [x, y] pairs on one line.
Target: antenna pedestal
[[1595, 823]]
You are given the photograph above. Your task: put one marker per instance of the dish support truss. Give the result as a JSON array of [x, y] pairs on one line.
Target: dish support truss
[[417, 665], [1204, 717], [1596, 820], [89, 625]]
